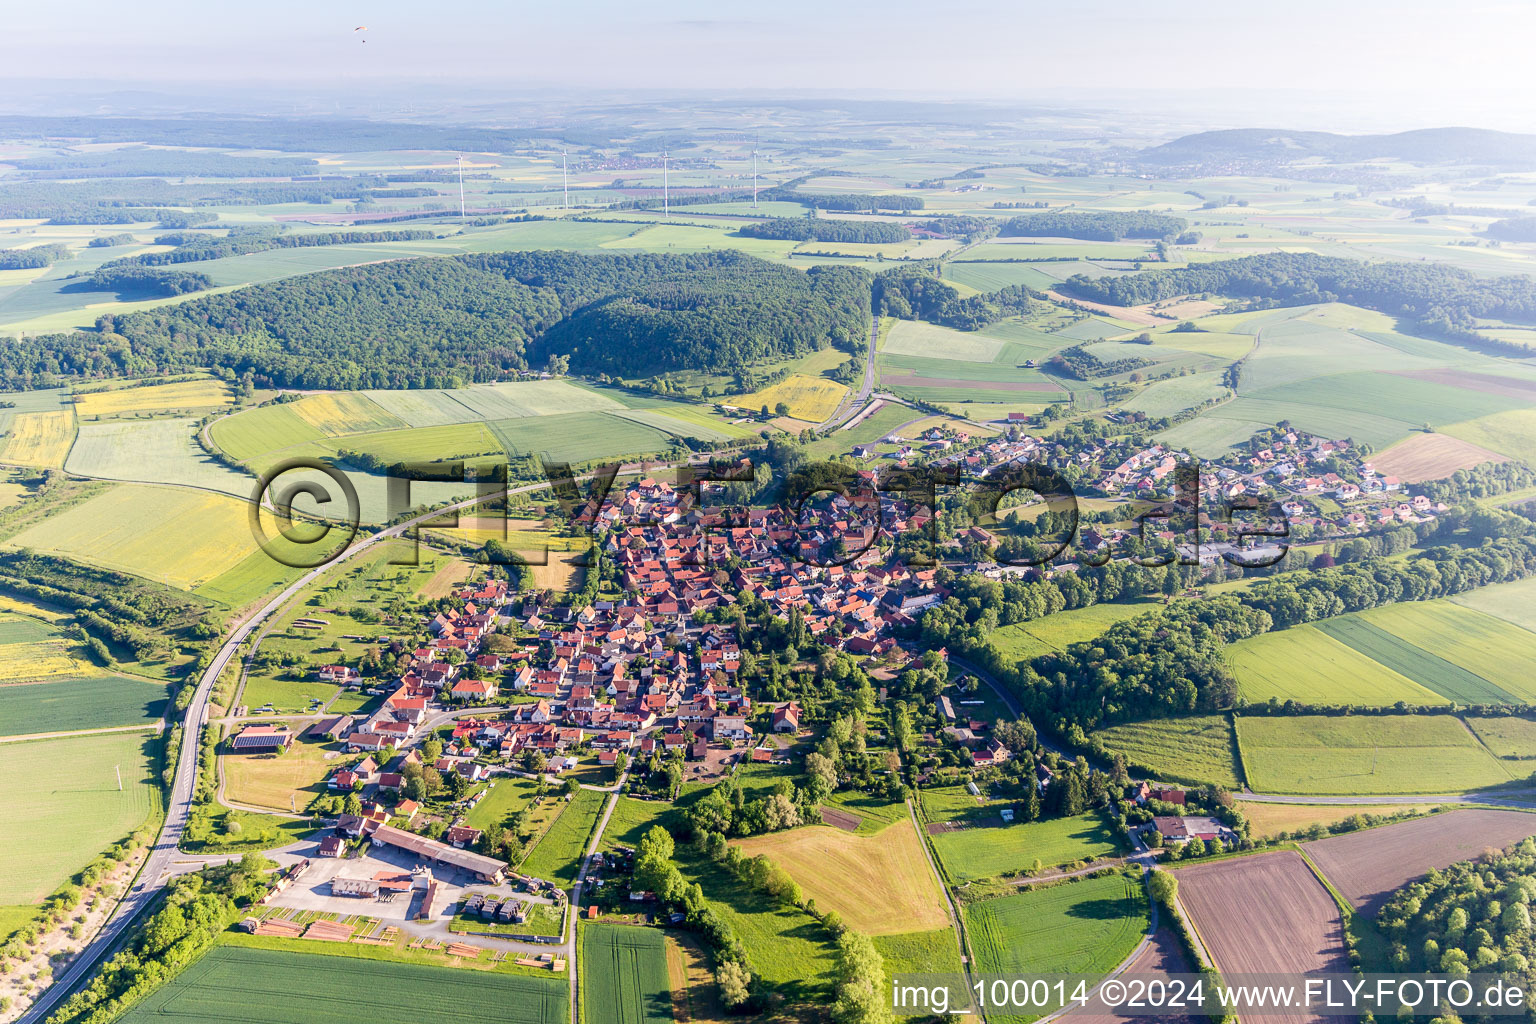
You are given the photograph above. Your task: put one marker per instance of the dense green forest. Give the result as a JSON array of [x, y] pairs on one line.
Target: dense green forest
[[804, 229], [444, 322], [847, 202], [34, 258], [1513, 229], [207, 247], [914, 292], [1472, 916], [1094, 226], [955, 225], [1443, 300], [136, 282]]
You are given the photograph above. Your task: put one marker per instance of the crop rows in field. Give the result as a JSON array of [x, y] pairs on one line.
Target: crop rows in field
[[39, 439], [236, 984], [181, 396], [624, 975], [1264, 913], [1082, 927], [70, 704], [70, 808], [1448, 678], [1198, 748], [1359, 755], [1308, 664]]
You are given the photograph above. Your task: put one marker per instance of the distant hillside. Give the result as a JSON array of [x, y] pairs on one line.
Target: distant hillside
[[1253, 147]]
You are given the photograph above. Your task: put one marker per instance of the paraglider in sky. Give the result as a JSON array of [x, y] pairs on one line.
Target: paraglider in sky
[[361, 28]]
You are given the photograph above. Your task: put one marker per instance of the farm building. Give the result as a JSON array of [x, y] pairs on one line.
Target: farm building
[[261, 739], [787, 718], [1171, 827], [354, 886], [487, 869], [338, 726], [331, 846]]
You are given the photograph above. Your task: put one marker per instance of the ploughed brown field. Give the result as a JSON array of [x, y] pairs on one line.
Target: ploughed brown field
[[1266, 914], [1487, 383], [1158, 959], [1430, 457], [1366, 867]]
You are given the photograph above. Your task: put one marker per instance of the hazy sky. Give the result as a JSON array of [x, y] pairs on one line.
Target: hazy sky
[[1434, 59]]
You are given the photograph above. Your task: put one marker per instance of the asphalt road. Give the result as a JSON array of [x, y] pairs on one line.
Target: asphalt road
[[166, 861]]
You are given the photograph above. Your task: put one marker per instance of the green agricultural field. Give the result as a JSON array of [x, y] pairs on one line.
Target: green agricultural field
[[579, 436], [70, 808], [1413, 661], [300, 988], [988, 852], [1416, 400], [268, 428], [1025, 640], [1358, 755], [1199, 748], [1511, 433], [161, 451], [624, 975], [916, 338], [1082, 927], [287, 696], [632, 819], [172, 535], [1487, 646], [1511, 738], [1513, 602], [1166, 397], [557, 855], [1308, 665], [423, 444], [71, 705]]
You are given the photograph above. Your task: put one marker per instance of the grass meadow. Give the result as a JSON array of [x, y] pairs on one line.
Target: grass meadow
[[1513, 602], [987, 852], [1025, 640], [1510, 738], [1198, 748], [557, 855], [1360, 755], [69, 807]]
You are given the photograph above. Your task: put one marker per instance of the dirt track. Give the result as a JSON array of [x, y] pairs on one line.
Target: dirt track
[[1161, 957], [1367, 866]]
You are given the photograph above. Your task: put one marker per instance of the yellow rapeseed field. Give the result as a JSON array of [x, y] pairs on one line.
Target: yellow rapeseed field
[[39, 439], [182, 395]]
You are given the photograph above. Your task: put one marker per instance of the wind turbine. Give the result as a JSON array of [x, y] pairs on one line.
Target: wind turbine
[[565, 180], [754, 172], [461, 186], [666, 208]]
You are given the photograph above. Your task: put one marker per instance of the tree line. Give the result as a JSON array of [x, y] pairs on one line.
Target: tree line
[[194, 248], [1442, 300], [806, 229], [1095, 226]]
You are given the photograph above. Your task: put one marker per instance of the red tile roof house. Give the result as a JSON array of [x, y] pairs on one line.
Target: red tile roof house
[[461, 836], [474, 689], [786, 718]]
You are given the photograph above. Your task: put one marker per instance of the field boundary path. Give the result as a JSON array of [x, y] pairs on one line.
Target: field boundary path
[[155, 727], [954, 914], [575, 901], [854, 401], [162, 865]]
